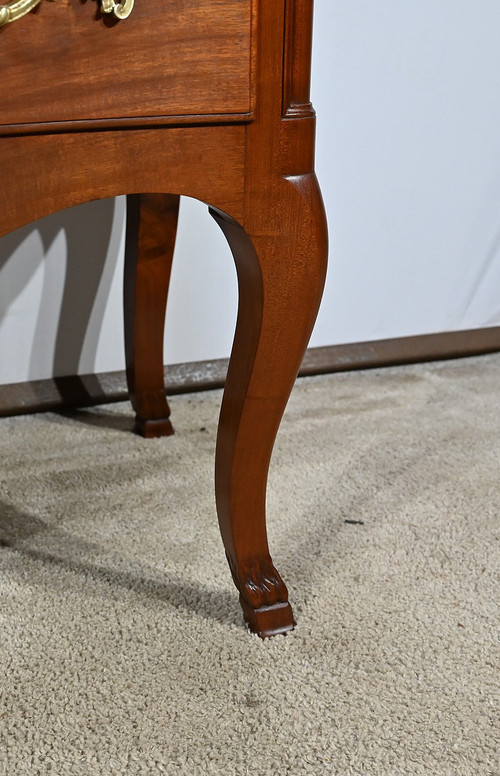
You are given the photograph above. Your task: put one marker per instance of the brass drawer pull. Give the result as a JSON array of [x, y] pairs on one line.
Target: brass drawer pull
[[121, 9], [17, 8]]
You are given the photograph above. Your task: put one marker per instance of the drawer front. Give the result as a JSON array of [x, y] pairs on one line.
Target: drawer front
[[66, 61]]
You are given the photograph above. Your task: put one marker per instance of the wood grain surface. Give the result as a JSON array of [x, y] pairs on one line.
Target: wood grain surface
[[67, 62]]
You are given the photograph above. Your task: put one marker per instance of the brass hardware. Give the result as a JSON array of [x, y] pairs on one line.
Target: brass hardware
[[121, 9], [16, 9]]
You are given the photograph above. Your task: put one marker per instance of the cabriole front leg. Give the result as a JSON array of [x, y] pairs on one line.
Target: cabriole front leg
[[280, 258]]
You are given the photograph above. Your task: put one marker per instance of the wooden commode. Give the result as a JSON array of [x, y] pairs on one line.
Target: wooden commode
[[210, 99]]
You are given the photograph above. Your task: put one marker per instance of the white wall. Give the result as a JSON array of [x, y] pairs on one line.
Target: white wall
[[409, 159], [408, 156]]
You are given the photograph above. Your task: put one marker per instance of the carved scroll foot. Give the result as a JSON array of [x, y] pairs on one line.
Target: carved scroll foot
[[150, 242], [263, 599]]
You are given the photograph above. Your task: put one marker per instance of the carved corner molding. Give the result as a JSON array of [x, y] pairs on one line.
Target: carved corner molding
[[297, 62]]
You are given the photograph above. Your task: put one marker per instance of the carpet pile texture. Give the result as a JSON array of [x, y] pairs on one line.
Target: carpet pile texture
[[122, 644]]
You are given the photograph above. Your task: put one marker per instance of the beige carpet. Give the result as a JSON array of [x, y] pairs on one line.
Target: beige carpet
[[122, 644]]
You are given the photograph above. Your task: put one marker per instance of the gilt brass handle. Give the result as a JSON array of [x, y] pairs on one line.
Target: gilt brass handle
[[16, 9], [121, 9]]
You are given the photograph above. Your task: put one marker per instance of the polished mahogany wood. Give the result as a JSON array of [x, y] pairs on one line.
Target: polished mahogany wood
[[68, 62], [256, 172], [149, 251]]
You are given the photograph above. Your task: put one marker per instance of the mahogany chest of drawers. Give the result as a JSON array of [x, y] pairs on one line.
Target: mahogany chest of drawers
[[205, 98]]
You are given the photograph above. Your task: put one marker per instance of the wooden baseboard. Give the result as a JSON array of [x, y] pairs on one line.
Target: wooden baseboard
[[401, 350], [86, 390]]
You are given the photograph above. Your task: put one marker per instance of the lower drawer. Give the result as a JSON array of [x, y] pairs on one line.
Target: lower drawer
[[66, 61]]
